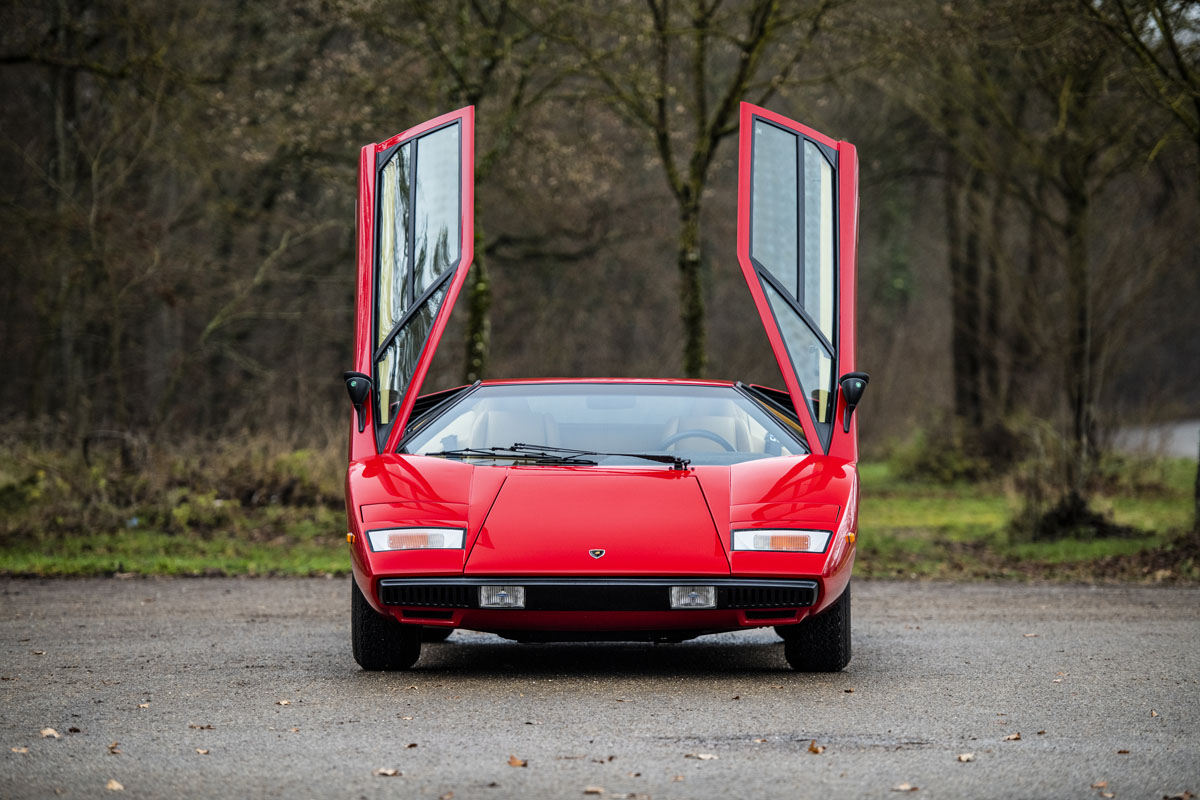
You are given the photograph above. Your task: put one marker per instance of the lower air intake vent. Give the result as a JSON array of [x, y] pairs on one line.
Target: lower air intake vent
[[429, 596], [769, 596]]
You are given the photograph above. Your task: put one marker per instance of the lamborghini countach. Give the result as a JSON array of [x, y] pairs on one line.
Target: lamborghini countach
[[603, 508]]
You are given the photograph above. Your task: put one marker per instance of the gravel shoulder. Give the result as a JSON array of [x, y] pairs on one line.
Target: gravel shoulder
[[939, 669]]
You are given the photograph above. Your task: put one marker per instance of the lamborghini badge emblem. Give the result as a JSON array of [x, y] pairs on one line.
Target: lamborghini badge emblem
[[596, 553]]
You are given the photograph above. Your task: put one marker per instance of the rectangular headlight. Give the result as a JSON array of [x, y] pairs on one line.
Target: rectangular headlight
[[693, 597], [783, 540], [416, 539], [501, 596]]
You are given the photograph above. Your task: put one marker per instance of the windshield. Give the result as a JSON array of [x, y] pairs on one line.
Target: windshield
[[704, 424]]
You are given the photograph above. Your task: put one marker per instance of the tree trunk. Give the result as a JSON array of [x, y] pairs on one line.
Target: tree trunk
[[691, 296], [993, 305], [479, 329], [1079, 378], [963, 245], [1026, 324]]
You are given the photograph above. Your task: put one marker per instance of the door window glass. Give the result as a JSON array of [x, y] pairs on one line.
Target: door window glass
[[817, 298], [393, 241], [437, 223], [773, 204], [398, 362], [419, 242], [811, 361]]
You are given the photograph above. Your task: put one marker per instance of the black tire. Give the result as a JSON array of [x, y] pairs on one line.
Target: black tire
[[379, 642], [820, 643], [432, 634]]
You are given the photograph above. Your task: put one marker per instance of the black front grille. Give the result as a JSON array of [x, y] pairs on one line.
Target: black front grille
[[766, 596], [596, 594], [429, 596]]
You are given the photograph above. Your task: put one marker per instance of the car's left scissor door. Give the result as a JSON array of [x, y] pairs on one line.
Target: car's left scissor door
[[415, 245]]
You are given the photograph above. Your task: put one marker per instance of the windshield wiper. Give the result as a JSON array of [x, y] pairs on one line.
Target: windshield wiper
[[676, 462], [521, 454]]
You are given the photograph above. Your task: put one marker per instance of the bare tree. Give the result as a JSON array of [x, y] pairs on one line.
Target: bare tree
[[677, 72]]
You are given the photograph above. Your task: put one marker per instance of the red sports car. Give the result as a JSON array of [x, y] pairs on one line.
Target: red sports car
[[604, 509]]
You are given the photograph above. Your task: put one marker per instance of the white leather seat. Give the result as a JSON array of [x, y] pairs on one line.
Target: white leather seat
[[506, 428]]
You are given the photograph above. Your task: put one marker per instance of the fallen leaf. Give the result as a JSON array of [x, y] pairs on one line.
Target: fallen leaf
[[143, 705], [201, 751], [50, 733], [447, 796], [848, 691], [513, 761], [386, 772], [283, 702], [1029, 635], [1041, 733], [593, 790], [760, 741], [410, 746], [1179, 796], [294, 730], [904, 787], [114, 749], [1013, 737], [814, 748], [72, 729], [114, 786], [38, 652], [1099, 784], [1107, 794], [1122, 752], [19, 749], [1153, 713], [736, 697], [1057, 680], [200, 727], [702, 756], [677, 779], [965, 757]]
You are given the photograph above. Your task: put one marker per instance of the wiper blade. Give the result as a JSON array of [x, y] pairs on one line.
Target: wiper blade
[[676, 462], [522, 454]]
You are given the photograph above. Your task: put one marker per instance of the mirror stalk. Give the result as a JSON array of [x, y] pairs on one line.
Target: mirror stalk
[[358, 386], [853, 385]]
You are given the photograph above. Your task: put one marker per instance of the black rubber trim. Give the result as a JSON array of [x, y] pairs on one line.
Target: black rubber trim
[[597, 594]]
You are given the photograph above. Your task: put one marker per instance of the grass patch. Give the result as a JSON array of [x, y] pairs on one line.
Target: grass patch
[[918, 529]]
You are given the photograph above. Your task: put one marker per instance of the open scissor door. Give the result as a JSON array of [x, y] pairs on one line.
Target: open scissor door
[[415, 245], [797, 242]]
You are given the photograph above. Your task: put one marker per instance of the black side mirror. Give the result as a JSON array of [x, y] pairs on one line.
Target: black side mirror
[[358, 386], [853, 385]]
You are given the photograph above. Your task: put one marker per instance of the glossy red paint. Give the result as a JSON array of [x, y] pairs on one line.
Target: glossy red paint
[[652, 521], [525, 520]]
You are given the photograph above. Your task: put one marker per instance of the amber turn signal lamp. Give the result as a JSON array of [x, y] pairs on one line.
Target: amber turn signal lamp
[[850, 537], [350, 538]]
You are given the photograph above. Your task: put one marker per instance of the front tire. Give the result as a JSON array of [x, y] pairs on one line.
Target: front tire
[[820, 643], [379, 642]]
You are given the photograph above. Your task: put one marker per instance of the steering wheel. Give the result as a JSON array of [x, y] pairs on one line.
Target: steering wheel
[[696, 433]]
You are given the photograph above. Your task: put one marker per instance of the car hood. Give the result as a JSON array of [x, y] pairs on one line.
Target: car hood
[[646, 522]]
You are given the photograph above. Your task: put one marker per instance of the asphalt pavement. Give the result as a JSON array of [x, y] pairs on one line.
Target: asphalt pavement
[[246, 688]]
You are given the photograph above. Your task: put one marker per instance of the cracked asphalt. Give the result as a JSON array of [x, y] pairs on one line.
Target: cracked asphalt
[[136, 676]]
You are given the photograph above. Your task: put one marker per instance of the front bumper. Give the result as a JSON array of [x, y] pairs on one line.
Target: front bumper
[[596, 594], [596, 605]]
